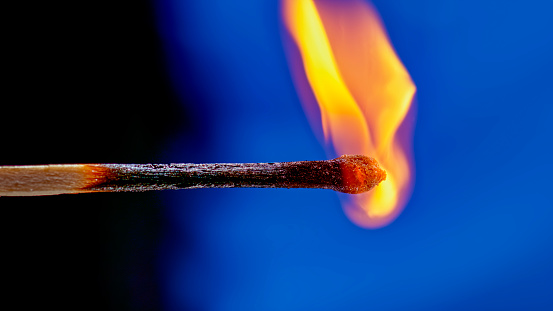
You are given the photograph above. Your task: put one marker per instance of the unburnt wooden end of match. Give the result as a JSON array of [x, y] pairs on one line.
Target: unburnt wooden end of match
[[349, 173]]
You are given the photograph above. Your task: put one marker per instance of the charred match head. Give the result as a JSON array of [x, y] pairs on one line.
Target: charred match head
[[359, 173]]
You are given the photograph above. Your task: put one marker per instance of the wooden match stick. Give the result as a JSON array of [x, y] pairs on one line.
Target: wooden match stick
[[348, 173]]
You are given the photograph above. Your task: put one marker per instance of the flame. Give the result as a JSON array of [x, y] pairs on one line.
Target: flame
[[363, 92]]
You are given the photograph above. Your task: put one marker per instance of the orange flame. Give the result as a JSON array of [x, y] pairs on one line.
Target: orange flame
[[363, 93]]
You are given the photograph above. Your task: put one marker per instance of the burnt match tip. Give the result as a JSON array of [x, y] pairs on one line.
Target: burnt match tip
[[359, 173]]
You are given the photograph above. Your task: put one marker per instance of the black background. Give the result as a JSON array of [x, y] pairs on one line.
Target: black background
[[83, 83]]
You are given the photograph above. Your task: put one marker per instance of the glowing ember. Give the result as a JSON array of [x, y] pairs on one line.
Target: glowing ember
[[363, 95]]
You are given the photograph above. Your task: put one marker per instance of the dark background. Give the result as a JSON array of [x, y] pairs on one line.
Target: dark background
[[83, 83]]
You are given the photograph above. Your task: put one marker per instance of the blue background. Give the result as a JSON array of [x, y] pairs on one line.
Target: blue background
[[477, 231]]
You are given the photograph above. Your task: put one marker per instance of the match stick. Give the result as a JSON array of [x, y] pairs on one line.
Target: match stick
[[349, 173]]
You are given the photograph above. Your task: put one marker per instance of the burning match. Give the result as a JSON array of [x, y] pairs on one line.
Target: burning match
[[349, 174]]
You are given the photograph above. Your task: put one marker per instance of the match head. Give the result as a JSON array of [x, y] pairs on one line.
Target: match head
[[359, 173]]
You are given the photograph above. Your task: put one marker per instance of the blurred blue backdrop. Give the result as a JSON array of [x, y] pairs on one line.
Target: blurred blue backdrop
[[477, 232]]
